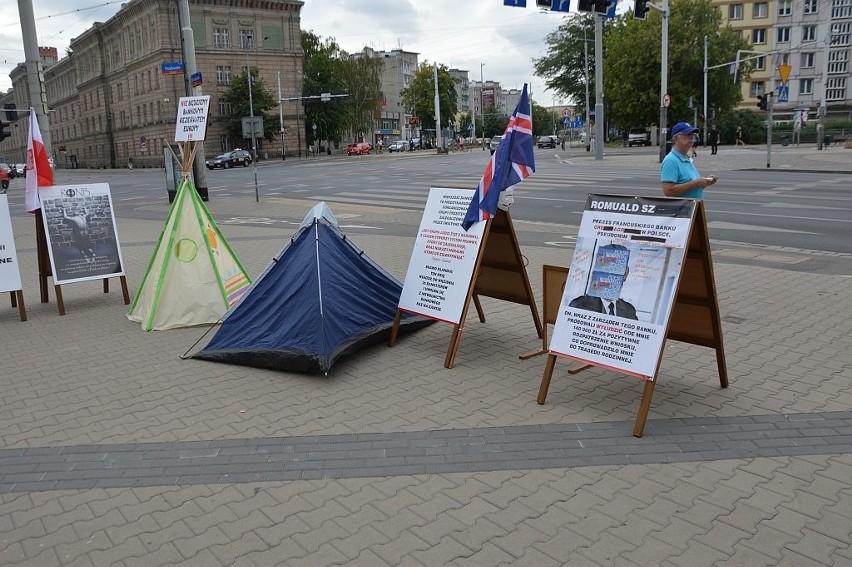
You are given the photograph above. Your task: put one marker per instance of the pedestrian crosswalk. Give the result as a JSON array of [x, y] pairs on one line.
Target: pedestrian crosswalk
[[400, 194]]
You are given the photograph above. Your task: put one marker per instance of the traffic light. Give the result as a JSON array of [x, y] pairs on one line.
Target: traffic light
[[762, 102], [3, 133], [601, 6], [597, 6], [640, 8]]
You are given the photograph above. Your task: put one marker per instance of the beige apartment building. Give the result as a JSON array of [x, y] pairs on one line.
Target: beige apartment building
[[113, 99], [812, 39]]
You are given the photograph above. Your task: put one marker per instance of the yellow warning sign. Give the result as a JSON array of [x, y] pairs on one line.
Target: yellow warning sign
[[784, 71]]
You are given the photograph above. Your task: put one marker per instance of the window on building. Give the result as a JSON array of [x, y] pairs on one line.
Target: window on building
[[806, 86], [221, 37], [841, 34], [756, 89], [811, 7], [735, 12], [782, 35], [841, 10], [835, 88], [808, 60], [758, 36], [223, 142], [223, 74], [246, 39], [838, 62], [809, 33], [785, 7], [224, 107], [760, 10], [760, 64]]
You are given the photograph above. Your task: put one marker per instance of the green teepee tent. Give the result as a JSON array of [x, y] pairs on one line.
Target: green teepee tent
[[193, 276]]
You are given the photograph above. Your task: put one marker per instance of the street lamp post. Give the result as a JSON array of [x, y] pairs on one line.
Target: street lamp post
[[251, 121], [706, 117], [281, 119], [664, 80], [481, 99], [586, 73]]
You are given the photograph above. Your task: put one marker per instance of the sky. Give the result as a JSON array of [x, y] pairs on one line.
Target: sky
[[461, 34]]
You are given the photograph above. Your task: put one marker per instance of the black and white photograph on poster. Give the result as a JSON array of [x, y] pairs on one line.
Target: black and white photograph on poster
[[81, 234], [622, 282]]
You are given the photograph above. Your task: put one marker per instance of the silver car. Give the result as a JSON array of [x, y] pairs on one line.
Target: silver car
[[495, 141]]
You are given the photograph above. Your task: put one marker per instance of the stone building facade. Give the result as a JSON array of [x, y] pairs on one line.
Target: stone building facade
[[111, 103]]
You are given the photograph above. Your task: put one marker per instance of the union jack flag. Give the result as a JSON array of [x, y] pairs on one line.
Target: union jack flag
[[510, 164]]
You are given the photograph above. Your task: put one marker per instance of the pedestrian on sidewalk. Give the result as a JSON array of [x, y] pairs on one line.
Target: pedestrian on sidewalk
[[694, 144], [740, 141], [678, 174], [713, 138]]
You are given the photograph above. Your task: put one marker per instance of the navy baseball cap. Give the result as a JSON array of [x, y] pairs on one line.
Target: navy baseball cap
[[683, 128]]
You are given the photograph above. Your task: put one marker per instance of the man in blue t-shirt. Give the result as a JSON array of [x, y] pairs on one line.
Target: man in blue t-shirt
[[677, 172]]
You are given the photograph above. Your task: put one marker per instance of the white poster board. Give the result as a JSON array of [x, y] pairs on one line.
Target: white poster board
[[444, 255], [81, 234], [627, 260], [191, 124], [10, 274]]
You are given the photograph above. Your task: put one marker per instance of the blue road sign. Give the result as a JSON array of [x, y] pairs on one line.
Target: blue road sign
[[567, 122], [515, 3], [610, 12], [559, 5], [470, 126], [783, 93], [173, 68]]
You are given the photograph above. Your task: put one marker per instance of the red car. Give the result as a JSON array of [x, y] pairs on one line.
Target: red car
[[4, 178], [361, 148]]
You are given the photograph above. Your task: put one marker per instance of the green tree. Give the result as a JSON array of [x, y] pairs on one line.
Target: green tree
[[323, 73], [261, 99], [362, 75], [753, 124], [543, 120], [494, 122], [420, 95], [633, 61], [564, 67]]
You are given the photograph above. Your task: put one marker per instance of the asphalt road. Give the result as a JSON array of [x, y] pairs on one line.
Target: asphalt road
[[808, 213]]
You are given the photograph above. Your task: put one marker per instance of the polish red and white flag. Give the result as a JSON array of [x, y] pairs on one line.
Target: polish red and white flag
[[39, 172]]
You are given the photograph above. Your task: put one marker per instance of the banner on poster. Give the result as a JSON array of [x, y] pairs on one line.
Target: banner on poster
[[622, 282], [79, 224], [441, 266], [191, 123], [10, 273]]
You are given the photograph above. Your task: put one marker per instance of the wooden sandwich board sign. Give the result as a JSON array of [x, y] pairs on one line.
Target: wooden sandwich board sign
[[10, 274], [449, 266], [77, 239], [553, 280], [641, 274]]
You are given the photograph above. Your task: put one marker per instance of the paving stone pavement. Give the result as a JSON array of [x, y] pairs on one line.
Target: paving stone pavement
[[115, 451]]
